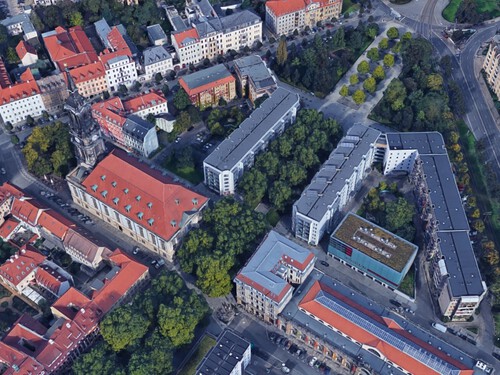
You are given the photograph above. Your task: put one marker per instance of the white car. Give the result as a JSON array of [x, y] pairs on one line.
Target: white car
[[313, 361], [2, 171]]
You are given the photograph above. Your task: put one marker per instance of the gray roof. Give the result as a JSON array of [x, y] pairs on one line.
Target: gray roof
[[453, 227], [224, 356], [239, 19], [155, 32], [102, 29], [136, 127], [22, 18], [337, 303], [206, 76], [331, 178], [178, 23], [266, 264], [256, 70], [251, 131], [153, 55]]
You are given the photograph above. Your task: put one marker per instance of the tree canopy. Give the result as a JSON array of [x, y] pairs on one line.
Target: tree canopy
[[181, 100]]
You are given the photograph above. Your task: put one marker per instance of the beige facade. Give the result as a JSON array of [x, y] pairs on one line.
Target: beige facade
[[491, 65], [92, 87]]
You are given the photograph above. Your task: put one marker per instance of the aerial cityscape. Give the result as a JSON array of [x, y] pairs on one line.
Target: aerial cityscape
[[229, 187]]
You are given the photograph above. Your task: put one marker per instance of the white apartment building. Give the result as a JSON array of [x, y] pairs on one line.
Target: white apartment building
[[20, 24], [188, 47], [263, 286], [225, 165], [491, 65], [317, 210], [142, 105], [140, 135], [120, 70], [156, 60]]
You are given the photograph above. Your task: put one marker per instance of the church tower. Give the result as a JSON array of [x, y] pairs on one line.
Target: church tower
[[84, 131]]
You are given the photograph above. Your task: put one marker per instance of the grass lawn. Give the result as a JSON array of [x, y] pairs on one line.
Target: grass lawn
[[193, 175], [451, 10], [489, 7], [473, 329], [4, 292], [205, 345], [272, 217], [408, 284]]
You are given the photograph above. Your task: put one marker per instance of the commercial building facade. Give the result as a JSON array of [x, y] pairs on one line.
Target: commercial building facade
[[372, 250], [264, 284], [138, 201], [283, 17], [206, 87], [254, 78], [318, 209], [491, 65], [225, 165]]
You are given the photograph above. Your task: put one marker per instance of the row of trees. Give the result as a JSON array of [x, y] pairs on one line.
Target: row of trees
[[281, 172], [48, 150], [229, 234], [319, 66], [141, 338]]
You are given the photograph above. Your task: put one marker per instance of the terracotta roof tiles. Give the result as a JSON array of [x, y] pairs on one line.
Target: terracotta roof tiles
[[186, 37], [143, 101], [8, 227], [19, 266], [24, 48], [88, 72]]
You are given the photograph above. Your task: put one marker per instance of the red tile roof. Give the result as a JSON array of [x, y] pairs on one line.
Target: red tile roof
[[19, 363], [117, 41], [28, 330], [55, 223], [70, 303], [88, 72], [19, 266], [143, 101], [409, 363], [87, 248], [282, 7], [206, 87], [27, 210], [187, 36], [4, 76], [10, 92], [69, 49], [106, 56], [8, 227], [142, 194], [24, 48], [49, 278]]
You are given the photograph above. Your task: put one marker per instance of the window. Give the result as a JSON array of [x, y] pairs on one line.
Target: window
[[116, 200], [94, 187], [138, 198], [140, 215], [128, 207], [104, 193]]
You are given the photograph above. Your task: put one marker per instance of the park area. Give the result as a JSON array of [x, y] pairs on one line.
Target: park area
[[206, 343], [471, 11]]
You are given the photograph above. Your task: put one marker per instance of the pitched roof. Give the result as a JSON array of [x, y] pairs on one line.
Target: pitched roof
[[19, 363], [20, 265], [27, 210], [143, 101], [88, 72], [70, 303], [136, 127], [24, 48], [206, 79], [8, 227], [142, 194], [186, 37], [282, 7], [155, 54], [155, 32], [55, 223], [11, 92], [49, 278], [69, 48], [4, 76], [111, 110], [88, 249]]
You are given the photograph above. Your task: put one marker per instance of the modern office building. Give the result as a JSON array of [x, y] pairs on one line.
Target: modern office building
[[285, 16], [254, 78], [372, 250], [206, 87], [318, 209], [491, 65], [264, 284], [456, 277], [142, 203], [225, 165], [230, 356], [339, 323]]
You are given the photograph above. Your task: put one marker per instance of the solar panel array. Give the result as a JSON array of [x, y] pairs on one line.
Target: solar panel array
[[386, 335]]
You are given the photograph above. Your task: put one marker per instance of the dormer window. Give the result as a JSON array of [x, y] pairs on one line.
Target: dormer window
[[140, 215], [173, 223], [125, 190], [94, 187], [177, 201], [103, 177], [104, 193], [128, 207], [150, 204], [138, 198], [195, 201], [113, 184], [151, 221], [116, 200]]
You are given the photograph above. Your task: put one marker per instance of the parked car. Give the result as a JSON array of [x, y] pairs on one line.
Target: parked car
[[395, 303], [136, 250], [313, 361], [326, 264]]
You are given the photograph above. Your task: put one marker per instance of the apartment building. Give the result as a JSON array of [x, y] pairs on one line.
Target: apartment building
[[156, 35], [26, 53], [156, 60], [90, 79], [18, 272], [230, 355], [54, 92], [456, 278], [20, 24], [84, 251], [140, 135], [146, 206], [317, 210], [206, 87], [254, 78], [188, 47], [283, 17], [264, 284], [225, 165], [491, 65], [152, 102], [20, 99]]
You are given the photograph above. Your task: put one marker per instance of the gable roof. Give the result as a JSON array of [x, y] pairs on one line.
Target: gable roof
[[155, 54], [142, 194], [27, 210], [88, 249], [55, 223], [282, 7], [10, 92], [24, 48], [206, 79], [186, 37], [88, 72], [143, 101], [20, 265], [8, 227], [70, 302], [49, 278]]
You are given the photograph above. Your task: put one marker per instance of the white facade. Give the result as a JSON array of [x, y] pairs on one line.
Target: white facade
[[143, 145], [189, 53], [29, 59], [243, 37], [18, 110], [156, 60], [399, 160], [154, 110], [120, 70]]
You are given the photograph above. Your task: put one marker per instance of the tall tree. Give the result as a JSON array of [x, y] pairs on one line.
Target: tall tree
[[181, 100], [123, 327], [282, 52]]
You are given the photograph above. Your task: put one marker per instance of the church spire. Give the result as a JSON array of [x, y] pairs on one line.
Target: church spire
[[71, 84]]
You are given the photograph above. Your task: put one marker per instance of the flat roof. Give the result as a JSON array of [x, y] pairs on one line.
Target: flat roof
[[265, 269], [318, 196], [206, 76], [239, 143], [346, 310], [255, 69], [155, 32], [225, 355], [451, 220], [375, 241]]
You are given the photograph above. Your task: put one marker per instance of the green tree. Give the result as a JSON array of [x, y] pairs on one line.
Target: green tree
[[373, 54], [384, 43], [100, 360], [379, 73], [123, 90], [155, 357], [399, 214], [184, 158], [12, 57], [344, 91], [282, 52], [76, 19], [396, 48], [393, 33], [213, 275], [434, 82], [406, 36], [254, 186], [353, 79], [370, 85], [165, 89], [182, 122], [181, 100], [123, 327], [363, 67], [338, 40], [14, 139], [396, 94], [279, 195], [158, 77], [389, 60], [478, 225], [359, 97], [197, 242]]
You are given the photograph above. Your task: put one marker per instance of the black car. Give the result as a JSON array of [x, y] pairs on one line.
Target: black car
[[395, 303], [496, 355], [326, 264]]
